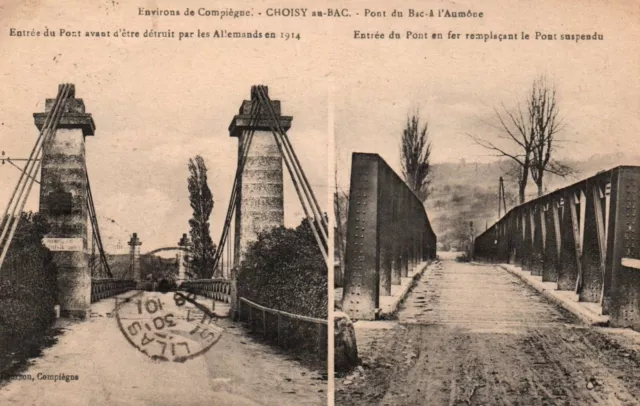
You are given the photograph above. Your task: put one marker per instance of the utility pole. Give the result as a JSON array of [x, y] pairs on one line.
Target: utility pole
[[502, 202], [471, 240]]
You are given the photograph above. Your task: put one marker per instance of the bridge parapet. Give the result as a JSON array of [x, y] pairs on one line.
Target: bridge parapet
[[216, 289], [388, 232], [585, 237], [289, 330], [106, 288]]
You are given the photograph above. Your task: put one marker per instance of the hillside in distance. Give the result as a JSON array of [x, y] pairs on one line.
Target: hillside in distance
[[466, 192]]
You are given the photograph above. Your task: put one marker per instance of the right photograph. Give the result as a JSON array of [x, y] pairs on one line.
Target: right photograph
[[487, 245]]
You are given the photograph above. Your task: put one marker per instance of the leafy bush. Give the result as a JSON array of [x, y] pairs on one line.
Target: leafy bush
[[158, 268], [284, 270], [28, 290]]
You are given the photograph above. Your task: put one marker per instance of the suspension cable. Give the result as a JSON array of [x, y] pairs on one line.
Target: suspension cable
[[313, 202], [321, 243], [51, 130], [289, 162], [254, 116], [295, 170], [46, 135], [20, 169], [294, 159], [94, 226], [30, 160], [22, 182], [233, 199], [308, 185]]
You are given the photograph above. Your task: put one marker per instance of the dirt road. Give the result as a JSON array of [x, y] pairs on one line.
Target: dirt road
[[236, 370], [472, 334]]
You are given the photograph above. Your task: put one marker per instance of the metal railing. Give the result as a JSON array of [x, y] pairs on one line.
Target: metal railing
[[105, 288], [278, 325], [388, 233], [216, 289], [585, 237]]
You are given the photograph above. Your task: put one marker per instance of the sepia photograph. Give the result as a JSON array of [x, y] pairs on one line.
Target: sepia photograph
[[486, 200], [335, 203], [165, 235]]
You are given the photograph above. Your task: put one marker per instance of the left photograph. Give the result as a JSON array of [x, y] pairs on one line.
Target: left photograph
[[163, 242]]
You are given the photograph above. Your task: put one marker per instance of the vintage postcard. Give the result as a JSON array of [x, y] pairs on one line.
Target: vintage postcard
[[317, 203], [165, 239], [487, 195]]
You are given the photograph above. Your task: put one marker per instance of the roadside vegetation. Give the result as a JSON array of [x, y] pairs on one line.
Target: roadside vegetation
[[27, 296], [285, 270]]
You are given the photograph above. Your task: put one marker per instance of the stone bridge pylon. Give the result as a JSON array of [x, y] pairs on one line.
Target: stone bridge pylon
[[260, 202], [63, 202]]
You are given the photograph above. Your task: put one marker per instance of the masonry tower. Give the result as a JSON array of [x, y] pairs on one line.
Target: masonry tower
[[63, 202], [260, 204]]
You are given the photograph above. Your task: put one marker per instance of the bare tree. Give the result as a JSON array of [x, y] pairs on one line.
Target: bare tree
[[516, 128], [527, 136], [546, 125], [340, 208], [415, 154]]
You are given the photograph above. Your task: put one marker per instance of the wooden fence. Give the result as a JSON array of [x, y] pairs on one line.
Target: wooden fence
[[288, 329]]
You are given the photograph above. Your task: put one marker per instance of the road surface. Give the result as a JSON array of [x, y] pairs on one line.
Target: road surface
[[472, 334], [236, 370]]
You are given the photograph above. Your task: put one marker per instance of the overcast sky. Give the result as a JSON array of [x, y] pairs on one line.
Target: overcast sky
[[455, 85], [156, 103]]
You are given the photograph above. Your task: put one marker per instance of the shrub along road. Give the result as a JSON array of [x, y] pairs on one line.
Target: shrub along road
[[472, 334]]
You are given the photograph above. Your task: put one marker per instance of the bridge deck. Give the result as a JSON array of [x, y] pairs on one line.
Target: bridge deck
[[475, 334], [235, 371]]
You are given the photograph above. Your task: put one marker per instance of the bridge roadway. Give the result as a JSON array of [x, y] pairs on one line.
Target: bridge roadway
[[236, 370], [472, 333]]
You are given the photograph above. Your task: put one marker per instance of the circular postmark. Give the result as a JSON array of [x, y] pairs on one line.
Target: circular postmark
[[169, 326]]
